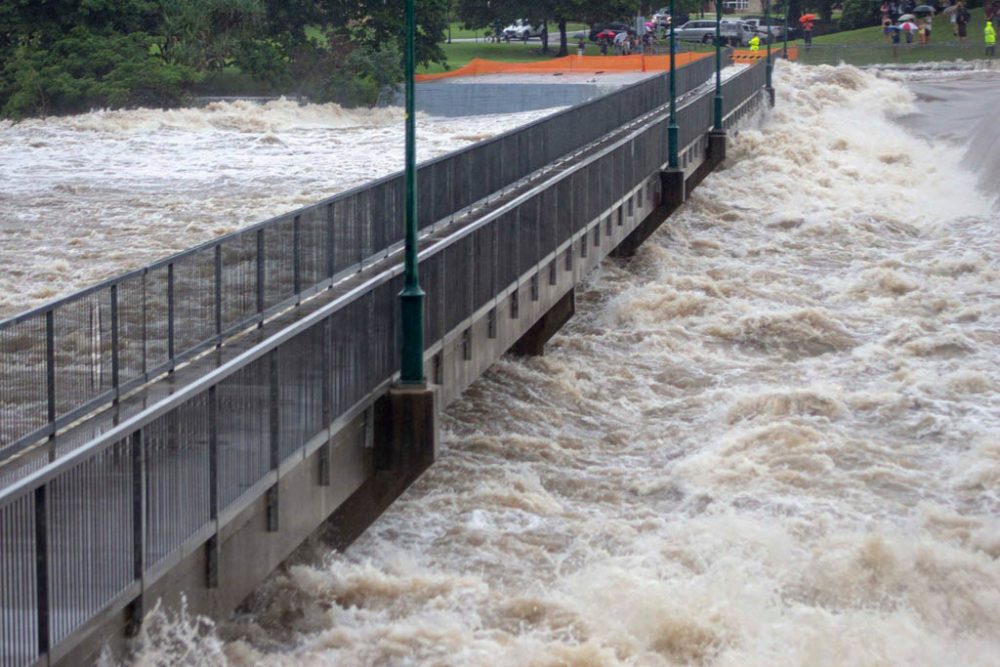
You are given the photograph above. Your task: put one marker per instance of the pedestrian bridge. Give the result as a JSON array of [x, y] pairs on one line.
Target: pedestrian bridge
[[182, 428]]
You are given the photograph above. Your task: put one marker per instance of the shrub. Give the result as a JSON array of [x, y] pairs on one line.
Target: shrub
[[859, 14], [84, 70]]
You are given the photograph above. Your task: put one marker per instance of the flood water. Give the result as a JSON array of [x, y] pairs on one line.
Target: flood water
[[87, 197], [773, 438]]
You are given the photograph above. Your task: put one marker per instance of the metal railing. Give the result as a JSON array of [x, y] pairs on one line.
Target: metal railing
[[67, 358], [881, 52], [91, 530]]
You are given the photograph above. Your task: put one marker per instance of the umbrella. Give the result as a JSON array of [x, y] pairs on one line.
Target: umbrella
[[606, 34], [906, 17], [923, 9], [949, 10], [807, 17], [908, 26]]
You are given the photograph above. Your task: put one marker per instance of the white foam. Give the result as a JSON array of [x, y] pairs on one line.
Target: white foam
[[770, 439]]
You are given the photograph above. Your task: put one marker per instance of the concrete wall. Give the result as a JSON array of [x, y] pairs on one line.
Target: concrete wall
[[451, 98], [339, 486]]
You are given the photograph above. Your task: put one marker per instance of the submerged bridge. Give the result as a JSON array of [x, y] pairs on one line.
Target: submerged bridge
[[182, 428]]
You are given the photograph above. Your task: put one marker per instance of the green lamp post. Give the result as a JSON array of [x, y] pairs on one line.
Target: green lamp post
[[673, 131], [411, 299], [770, 63], [718, 65], [784, 50]]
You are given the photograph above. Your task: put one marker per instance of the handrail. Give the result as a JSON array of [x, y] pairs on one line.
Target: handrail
[[159, 481], [749, 80], [77, 353]]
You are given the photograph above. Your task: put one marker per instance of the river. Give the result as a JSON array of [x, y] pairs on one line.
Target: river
[[87, 197], [772, 438]]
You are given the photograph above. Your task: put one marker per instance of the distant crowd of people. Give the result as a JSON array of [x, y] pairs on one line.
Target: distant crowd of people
[[894, 29], [623, 43]]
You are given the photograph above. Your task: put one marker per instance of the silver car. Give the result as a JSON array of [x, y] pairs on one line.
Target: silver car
[[737, 33], [775, 26]]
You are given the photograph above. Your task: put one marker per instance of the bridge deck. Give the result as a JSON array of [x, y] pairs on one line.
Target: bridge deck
[[186, 454]]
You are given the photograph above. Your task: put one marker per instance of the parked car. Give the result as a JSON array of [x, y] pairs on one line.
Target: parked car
[[616, 26], [775, 26], [661, 19], [737, 33], [522, 30]]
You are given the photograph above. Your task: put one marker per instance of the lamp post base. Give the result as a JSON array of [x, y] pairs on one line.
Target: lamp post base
[[716, 147], [673, 187], [411, 444]]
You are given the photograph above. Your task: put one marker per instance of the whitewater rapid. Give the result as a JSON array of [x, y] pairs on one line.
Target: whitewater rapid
[[772, 438], [87, 197]]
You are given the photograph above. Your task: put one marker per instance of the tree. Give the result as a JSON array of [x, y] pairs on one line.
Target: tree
[[858, 14], [374, 24], [82, 70]]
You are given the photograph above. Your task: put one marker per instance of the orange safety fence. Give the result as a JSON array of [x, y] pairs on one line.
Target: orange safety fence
[[746, 56], [568, 64]]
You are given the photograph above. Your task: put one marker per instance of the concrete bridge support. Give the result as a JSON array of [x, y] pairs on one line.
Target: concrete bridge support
[[338, 481], [532, 343]]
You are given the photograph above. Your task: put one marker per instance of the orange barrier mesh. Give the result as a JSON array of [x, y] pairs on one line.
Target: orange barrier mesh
[[567, 64], [747, 56]]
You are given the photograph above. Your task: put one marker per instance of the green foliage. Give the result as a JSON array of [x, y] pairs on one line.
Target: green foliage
[[363, 76], [85, 70], [64, 56], [858, 14], [207, 34], [375, 23]]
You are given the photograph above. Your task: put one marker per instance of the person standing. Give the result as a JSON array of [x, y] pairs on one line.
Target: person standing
[[990, 35], [962, 17], [807, 33]]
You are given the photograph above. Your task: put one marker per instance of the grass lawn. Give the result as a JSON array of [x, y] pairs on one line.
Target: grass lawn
[[867, 46], [458, 31], [460, 53]]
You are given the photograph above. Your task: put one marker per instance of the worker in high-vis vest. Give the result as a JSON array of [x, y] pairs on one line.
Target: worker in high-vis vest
[[990, 34], [755, 43]]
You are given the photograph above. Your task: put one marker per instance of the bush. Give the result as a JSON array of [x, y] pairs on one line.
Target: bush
[[84, 70], [859, 14]]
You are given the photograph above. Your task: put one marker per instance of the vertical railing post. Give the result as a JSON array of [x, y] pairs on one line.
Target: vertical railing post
[[411, 299], [42, 567], [138, 458], [170, 315], [50, 376], [212, 546], [274, 414], [327, 397], [218, 295], [261, 258], [115, 361], [297, 257], [145, 326], [331, 237]]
